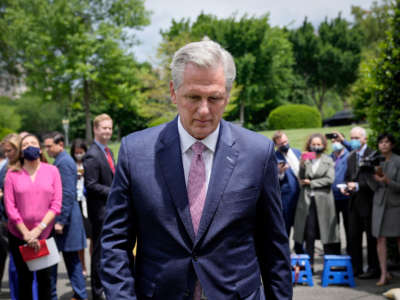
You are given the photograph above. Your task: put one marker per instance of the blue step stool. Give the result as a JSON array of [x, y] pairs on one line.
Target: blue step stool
[[305, 273], [337, 270]]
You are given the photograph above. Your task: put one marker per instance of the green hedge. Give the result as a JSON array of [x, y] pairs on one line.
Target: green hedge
[[294, 116]]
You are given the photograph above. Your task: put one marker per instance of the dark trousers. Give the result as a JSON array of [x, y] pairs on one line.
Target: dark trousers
[[3, 248], [312, 233], [357, 225], [342, 207], [97, 287], [25, 277]]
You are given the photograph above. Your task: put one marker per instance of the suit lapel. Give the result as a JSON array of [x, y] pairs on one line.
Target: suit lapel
[[225, 158], [103, 158], [170, 158]]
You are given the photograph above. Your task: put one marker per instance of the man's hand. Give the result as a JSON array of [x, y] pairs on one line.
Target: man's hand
[[340, 137], [1, 193], [305, 182], [352, 186], [58, 228], [282, 167]]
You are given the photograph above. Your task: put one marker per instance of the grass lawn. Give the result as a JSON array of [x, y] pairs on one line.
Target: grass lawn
[[297, 137]]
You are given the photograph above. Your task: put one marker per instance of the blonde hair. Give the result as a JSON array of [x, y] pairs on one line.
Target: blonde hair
[[100, 118], [277, 135], [14, 140]]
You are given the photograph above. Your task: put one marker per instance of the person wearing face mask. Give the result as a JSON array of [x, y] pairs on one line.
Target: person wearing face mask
[[339, 155], [69, 231], [78, 151], [360, 206], [315, 213], [288, 170], [32, 198]]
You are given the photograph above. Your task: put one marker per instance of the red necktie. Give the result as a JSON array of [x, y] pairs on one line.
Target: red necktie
[[110, 160]]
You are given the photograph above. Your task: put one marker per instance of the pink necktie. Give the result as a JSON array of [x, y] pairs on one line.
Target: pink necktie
[[197, 194], [197, 184]]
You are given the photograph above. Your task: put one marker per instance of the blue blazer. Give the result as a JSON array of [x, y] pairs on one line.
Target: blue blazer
[[241, 236], [73, 237], [290, 190]]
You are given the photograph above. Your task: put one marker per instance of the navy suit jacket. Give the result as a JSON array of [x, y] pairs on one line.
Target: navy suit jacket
[[73, 237], [290, 190], [241, 236]]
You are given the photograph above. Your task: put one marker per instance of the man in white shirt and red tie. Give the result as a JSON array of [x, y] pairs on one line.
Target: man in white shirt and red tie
[[200, 198], [99, 173]]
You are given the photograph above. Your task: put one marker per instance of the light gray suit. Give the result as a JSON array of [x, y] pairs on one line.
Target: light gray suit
[[321, 182]]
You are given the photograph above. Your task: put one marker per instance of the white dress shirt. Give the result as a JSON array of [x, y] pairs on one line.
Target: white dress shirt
[[208, 155]]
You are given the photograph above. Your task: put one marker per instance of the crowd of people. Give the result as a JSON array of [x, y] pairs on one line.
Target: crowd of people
[[354, 181], [41, 200], [198, 196]]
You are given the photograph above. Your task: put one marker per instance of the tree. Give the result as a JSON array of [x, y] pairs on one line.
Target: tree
[[262, 56], [72, 50], [327, 60], [373, 22], [384, 112]]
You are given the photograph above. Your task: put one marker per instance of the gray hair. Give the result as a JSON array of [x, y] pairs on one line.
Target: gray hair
[[360, 130], [204, 54]]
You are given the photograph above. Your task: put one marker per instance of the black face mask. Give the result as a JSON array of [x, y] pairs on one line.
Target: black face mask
[[31, 153], [284, 148], [317, 150]]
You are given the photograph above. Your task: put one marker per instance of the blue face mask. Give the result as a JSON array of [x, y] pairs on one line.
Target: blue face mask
[[336, 147], [31, 153], [355, 144]]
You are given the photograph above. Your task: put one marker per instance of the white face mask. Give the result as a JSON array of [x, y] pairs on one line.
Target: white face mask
[[79, 156], [336, 147]]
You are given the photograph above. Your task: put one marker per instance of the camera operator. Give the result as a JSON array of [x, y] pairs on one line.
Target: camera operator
[[360, 206], [386, 204]]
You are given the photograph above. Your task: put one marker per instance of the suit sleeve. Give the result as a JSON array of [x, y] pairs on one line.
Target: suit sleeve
[[119, 235], [92, 173], [68, 181], [271, 239]]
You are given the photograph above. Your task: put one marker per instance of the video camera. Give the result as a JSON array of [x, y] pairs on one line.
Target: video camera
[[369, 162]]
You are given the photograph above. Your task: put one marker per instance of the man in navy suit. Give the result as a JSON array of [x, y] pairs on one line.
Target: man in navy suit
[[199, 196], [69, 231], [288, 170]]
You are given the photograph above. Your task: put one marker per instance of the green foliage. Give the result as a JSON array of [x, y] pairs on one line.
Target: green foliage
[[38, 116], [328, 60], [294, 116], [262, 55], [373, 22], [72, 51], [10, 121], [384, 112]]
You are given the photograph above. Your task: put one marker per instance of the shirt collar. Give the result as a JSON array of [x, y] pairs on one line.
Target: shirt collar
[[102, 147], [362, 150], [187, 140]]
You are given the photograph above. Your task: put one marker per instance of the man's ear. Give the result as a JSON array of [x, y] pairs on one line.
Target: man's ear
[[172, 92]]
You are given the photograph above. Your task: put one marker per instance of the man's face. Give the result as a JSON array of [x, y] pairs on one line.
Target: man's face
[[103, 131], [282, 141], [356, 135], [201, 99], [53, 149]]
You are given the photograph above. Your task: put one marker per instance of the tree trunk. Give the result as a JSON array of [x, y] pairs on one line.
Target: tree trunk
[[86, 100]]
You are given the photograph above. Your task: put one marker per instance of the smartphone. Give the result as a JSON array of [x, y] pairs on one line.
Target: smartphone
[[308, 155], [330, 136]]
